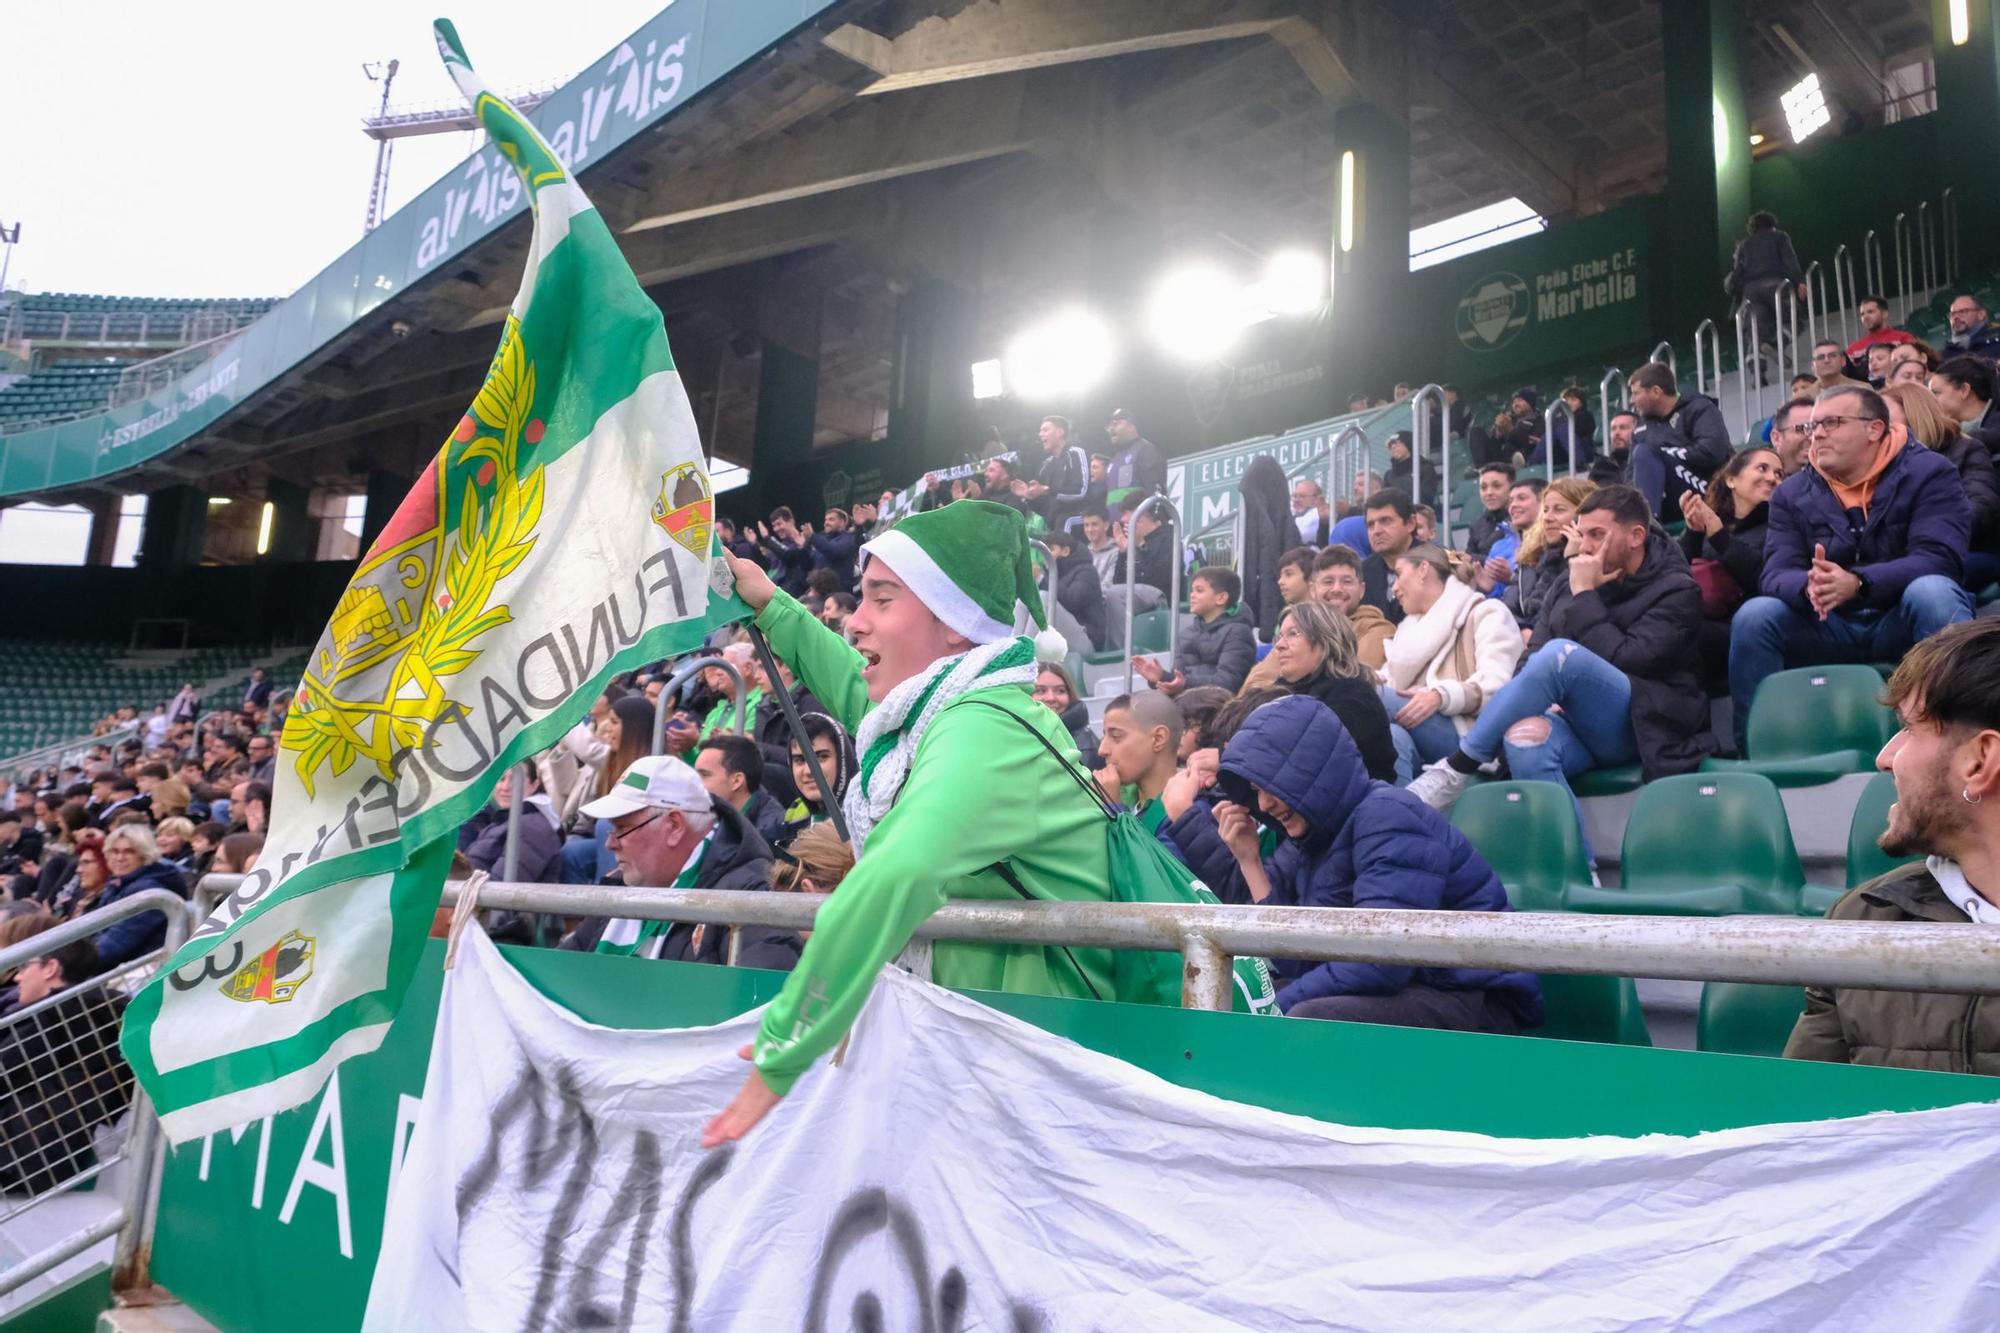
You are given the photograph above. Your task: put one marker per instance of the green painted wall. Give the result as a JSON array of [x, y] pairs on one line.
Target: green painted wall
[[1830, 190], [244, 1262]]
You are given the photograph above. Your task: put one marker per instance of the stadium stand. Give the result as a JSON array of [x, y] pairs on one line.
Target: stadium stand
[[63, 391], [71, 319]]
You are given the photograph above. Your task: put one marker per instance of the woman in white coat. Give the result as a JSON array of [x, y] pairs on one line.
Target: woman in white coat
[[1452, 652]]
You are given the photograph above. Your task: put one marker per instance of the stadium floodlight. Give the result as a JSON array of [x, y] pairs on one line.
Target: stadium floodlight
[[1805, 108], [217, 501], [264, 528], [1064, 354], [987, 381], [1294, 283], [1197, 312], [1961, 22]]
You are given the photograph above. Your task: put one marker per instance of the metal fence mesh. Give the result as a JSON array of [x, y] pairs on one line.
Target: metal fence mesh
[[64, 1089]]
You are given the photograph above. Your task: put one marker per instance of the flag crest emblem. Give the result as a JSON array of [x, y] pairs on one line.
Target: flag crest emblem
[[685, 510], [275, 975]]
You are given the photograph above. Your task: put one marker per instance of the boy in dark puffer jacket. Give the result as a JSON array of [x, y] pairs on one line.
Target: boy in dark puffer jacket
[[1347, 841]]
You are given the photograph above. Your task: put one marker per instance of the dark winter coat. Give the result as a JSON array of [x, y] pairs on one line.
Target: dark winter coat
[[773, 734], [1694, 438], [1397, 476], [1358, 705], [1764, 255], [1155, 559], [1974, 462], [1216, 652], [1268, 532], [835, 551], [1376, 576], [1958, 1034], [1528, 591], [738, 858], [766, 815], [1139, 465], [1067, 475], [1076, 720], [1919, 522], [1488, 527], [1648, 625], [141, 934], [1738, 546], [61, 1077], [787, 563], [1080, 593], [1367, 844], [540, 849], [1982, 342]]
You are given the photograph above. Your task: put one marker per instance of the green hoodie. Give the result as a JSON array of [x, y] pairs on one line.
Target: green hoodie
[[980, 790]]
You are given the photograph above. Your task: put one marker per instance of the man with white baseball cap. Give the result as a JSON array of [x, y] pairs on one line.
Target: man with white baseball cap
[[667, 831], [957, 796]]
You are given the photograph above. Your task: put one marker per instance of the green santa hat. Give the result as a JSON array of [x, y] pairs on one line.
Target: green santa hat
[[970, 565]]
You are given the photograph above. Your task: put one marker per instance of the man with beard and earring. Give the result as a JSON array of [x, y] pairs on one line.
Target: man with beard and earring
[[1945, 759]]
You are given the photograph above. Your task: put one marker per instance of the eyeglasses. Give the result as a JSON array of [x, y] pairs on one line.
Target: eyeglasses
[[621, 834], [1827, 356], [1818, 424], [1802, 428]]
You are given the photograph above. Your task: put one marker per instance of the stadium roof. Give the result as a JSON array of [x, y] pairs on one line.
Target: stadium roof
[[789, 167]]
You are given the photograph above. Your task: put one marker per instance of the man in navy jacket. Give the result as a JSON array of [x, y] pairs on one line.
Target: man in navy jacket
[[1347, 840], [1863, 554]]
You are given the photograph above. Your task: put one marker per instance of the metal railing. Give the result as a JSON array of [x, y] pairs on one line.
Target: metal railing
[[682, 674], [1350, 434], [1624, 396], [1421, 422], [1549, 434], [1844, 292], [1787, 951], [1816, 307], [119, 328], [60, 753], [1749, 363], [148, 377], [1948, 227], [1132, 578], [1873, 272], [1785, 335], [1668, 360], [98, 1099], [1708, 358], [1905, 261]]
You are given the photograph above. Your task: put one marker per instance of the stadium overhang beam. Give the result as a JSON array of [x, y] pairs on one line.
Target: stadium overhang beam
[[872, 143]]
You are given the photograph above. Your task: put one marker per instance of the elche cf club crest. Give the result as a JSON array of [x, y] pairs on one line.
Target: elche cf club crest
[[276, 974], [685, 509]]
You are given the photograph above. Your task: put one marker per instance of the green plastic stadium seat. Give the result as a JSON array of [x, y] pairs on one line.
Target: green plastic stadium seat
[[1813, 725], [1738, 1018], [1527, 832], [1865, 860], [1703, 844], [1607, 781], [1604, 1009]]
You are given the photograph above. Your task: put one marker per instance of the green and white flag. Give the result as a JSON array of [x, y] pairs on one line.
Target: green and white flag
[[561, 534]]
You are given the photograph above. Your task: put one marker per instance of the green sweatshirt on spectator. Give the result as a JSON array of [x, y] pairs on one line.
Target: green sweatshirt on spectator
[[980, 790]]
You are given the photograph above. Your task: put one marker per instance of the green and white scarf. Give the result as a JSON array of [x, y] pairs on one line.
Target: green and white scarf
[[888, 737]]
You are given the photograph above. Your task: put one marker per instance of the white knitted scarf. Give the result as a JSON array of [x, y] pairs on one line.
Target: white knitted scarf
[[888, 737]]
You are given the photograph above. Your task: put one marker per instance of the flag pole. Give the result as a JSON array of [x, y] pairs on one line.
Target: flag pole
[[769, 661]]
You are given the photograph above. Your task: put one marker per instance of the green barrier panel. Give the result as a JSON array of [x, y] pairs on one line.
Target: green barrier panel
[[72, 1307], [278, 1227]]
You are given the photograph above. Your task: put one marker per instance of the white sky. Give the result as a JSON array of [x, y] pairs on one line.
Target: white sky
[[215, 148]]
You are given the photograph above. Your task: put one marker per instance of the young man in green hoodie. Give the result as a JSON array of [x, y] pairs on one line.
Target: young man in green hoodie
[[954, 781]]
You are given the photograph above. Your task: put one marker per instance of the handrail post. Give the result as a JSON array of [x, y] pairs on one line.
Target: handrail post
[[1669, 361], [1132, 581], [517, 800], [133, 1251], [1843, 289], [1048, 559], [1549, 434], [1900, 240], [1816, 307], [1208, 974], [680, 678], [1714, 356], [1420, 432], [1948, 232], [1624, 395], [1874, 272], [1701, 358], [1350, 433], [1924, 246]]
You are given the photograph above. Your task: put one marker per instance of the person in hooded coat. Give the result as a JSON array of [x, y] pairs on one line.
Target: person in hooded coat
[[1347, 840], [1057, 692], [834, 749]]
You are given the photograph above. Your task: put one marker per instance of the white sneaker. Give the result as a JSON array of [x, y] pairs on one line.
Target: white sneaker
[[1440, 785]]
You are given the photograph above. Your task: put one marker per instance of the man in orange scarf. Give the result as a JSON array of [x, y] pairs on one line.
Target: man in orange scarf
[[1864, 552]]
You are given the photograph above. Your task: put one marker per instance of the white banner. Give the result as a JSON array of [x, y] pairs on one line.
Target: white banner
[[962, 1169]]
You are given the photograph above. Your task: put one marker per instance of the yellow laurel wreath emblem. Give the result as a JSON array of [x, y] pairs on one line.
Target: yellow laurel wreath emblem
[[490, 541]]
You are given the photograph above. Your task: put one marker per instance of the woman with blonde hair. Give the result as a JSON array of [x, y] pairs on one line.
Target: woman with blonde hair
[[1317, 655], [1915, 408], [814, 862], [134, 859], [1543, 560], [1453, 650]]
